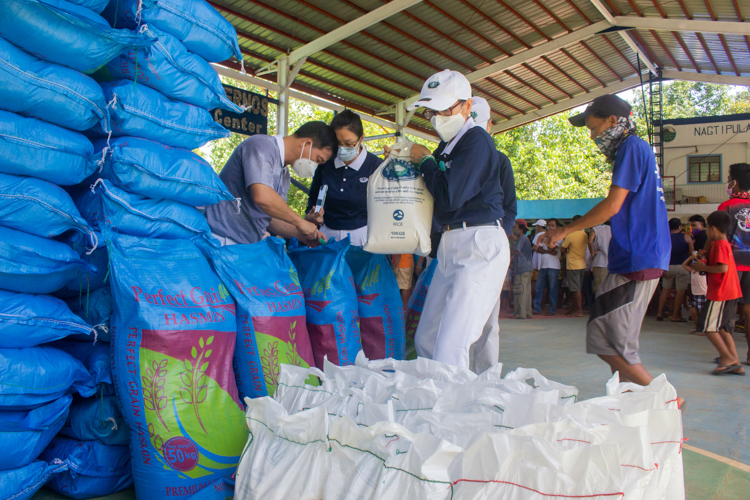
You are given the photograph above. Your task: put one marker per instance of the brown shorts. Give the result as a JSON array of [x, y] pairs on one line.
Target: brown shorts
[[404, 277]]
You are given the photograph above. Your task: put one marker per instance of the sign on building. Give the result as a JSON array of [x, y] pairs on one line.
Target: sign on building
[[254, 120]]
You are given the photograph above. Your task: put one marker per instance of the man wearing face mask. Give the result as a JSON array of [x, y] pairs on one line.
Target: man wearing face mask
[[463, 176], [257, 173], [639, 250], [347, 176]]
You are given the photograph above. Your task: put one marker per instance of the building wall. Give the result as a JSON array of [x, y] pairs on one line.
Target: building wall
[[727, 136]]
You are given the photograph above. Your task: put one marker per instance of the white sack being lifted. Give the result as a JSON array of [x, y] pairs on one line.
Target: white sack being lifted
[[422, 430], [399, 207]]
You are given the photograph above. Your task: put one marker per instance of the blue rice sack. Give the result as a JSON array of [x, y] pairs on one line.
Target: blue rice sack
[[22, 483], [28, 320], [381, 309], [35, 376], [96, 419], [40, 208], [195, 23], [271, 318], [32, 264], [95, 357], [138, 111], [330, 301], [168, 67], [94, 5], [95, 309], [32, 147], [64, 33], [94, 469], [222, 489], [84, 285], [415, 305], [26, 433], [173, 335], [111, 207], [40, 89], [161, 172]]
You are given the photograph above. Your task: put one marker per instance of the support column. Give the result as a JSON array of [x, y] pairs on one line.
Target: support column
[[282, 110]]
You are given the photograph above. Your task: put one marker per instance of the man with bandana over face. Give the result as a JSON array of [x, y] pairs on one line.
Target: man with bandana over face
[[639, 250]]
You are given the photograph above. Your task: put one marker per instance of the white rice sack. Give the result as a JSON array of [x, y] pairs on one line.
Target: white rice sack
[[399, 207]]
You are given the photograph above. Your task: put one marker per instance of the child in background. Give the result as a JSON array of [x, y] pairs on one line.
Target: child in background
[[403, 267], [698, 288], [717, 315]]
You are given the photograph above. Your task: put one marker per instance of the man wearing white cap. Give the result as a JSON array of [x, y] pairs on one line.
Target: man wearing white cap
[[463, 176]]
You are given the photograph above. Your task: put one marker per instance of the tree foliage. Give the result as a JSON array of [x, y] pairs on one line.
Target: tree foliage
[[551, 159]]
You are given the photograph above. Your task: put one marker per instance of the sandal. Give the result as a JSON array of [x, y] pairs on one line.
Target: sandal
[[728, 370], [659, 318], [681, 320]]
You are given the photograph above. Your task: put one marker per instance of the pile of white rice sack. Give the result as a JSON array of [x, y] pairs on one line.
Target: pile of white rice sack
[[421, 429]]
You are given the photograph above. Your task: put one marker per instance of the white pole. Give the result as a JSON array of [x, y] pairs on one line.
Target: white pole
[[282, 110]]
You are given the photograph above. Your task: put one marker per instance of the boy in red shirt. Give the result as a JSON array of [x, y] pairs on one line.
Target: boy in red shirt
[[717, 314], [738, 207]]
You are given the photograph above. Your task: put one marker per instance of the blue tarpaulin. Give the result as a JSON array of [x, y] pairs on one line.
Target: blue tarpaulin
[[531, 210]]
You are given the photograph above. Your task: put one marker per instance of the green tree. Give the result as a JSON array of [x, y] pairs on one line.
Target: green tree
[[553, 160]]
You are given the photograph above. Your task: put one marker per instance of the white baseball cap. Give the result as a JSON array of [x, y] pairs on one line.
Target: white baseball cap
[[480, 111], [442, 90], [540, 222]]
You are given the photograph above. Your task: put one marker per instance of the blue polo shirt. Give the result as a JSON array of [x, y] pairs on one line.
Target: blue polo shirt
[[469, 190], [346, 201], [640, 230]]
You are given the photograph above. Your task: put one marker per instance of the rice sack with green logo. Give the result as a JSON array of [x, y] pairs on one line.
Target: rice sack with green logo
[[271, 327], [172, 339], [415, 305], [381, 310], [330, 301]]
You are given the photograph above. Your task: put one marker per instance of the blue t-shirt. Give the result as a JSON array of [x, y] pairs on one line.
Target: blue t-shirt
[[640, 230]]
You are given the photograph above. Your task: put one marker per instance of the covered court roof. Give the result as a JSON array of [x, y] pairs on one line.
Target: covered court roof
[[528, 58]]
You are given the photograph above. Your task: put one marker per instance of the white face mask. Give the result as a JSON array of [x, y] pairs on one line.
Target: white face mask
[[730, 188], [304, 167], [448, 127], [348, 154]]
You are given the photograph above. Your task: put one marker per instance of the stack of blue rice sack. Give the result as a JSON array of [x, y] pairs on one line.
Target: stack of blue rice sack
[[65, 82]]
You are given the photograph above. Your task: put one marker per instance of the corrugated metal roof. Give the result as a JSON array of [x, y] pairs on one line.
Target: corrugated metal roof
[[388, 61]]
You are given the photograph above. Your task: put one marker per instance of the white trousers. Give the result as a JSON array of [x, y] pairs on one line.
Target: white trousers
[[472, 264], [358, 237], [485, 352]]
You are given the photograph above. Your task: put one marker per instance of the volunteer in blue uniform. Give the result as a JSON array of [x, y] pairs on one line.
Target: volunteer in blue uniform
[[345, 209], [485, 352], [463, 176]]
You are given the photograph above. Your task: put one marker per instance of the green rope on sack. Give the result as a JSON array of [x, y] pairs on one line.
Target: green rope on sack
[[117, 8], [88, 289]]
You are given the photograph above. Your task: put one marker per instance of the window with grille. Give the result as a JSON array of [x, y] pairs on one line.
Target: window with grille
[[704, 168]]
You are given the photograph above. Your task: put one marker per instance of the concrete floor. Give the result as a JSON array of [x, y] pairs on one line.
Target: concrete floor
[[716, 418]]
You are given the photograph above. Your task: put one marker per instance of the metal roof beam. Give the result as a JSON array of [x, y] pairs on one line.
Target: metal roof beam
[[567, 104], [683, 25], [625, 36], [351, 28], [539, 50], [707, 78]]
